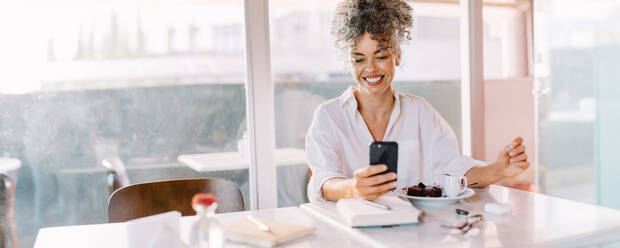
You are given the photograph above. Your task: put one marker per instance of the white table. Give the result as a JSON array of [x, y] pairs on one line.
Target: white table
[[9, 164], [113, 234], [536, 221], [221, 161]]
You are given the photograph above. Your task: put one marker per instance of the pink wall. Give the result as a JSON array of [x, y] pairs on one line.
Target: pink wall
[[509, 113]]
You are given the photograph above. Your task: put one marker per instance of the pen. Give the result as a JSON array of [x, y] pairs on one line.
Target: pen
[[376, 204], [258, 223]]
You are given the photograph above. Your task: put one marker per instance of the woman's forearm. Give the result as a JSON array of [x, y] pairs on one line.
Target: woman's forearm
[[482, 176], [369, 183], [335, 189]]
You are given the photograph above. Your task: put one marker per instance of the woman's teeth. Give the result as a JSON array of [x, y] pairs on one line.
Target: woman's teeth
[[373, 79]]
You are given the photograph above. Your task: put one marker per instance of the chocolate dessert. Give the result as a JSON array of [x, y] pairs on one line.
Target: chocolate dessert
[[424, 191]]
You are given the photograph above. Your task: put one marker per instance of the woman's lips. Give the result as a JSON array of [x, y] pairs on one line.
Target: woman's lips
[[374, 80]]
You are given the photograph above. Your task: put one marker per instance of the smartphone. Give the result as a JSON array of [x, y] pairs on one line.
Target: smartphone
[[385, 152]]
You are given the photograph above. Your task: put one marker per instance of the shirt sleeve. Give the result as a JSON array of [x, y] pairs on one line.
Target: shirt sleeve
[[323, 154], [442, 152]]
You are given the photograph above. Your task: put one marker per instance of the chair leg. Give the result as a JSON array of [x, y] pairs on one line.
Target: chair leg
[[112, 182], [12, 210], [5, 204]]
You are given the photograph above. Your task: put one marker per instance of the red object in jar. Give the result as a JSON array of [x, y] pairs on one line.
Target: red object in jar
[[203, 199]]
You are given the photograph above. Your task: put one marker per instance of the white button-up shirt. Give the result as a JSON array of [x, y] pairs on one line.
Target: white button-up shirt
[[338, 142]]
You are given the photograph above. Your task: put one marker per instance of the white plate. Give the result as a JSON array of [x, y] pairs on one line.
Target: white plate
[[436, 200]]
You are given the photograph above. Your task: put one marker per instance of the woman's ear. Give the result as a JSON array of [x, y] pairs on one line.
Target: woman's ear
[[398, 58]]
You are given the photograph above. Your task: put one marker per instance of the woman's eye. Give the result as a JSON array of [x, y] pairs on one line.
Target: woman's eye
[[382, 57], [358, 60]]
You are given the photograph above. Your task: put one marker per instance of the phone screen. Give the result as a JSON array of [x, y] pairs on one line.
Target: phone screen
[[385, 152]]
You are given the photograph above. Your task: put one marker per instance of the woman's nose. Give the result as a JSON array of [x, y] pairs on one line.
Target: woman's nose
[[371, 66]]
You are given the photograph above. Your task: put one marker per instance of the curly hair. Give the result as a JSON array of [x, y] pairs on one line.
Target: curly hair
[[387, 21]]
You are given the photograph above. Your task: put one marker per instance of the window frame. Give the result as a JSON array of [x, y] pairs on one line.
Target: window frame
[[260, 106]]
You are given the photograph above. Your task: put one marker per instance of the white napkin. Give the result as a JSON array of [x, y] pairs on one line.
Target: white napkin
[[155, 231]]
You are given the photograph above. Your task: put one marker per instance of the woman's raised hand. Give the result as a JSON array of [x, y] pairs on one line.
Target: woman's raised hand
[[368, 182], [513, 159]]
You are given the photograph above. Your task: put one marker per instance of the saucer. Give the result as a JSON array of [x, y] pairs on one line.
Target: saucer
[[444, 200]]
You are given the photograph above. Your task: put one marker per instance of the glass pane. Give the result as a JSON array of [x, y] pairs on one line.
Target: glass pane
[[431, 64], [607, 133], [141, 81], [308, 70], [505, 42], [575, 45]]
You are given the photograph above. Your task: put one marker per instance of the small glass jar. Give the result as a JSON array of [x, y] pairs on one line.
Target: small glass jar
[[207, 231]]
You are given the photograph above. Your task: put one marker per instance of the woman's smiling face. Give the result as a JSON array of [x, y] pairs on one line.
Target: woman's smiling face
[[373, 65]]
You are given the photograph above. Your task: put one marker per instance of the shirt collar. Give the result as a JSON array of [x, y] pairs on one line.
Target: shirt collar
[[347, 101], [349, 96]]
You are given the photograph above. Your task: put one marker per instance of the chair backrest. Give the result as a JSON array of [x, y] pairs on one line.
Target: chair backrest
[[140, 200]]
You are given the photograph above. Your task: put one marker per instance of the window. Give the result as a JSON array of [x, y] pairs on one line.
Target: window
[[141, 81], [576, 54], [505, 39], [308, 70]]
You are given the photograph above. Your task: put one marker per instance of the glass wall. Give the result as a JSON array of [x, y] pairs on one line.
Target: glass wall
[[577, 51], [84, 81], [308, 70], [505, 39]]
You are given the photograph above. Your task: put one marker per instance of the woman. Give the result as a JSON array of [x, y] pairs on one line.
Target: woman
[[337, 143]]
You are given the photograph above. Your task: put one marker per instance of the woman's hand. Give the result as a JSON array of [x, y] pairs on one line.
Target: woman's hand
[[512, 161], [367, 183]]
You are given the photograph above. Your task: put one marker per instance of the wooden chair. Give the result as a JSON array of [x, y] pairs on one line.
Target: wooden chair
[[140, 200]]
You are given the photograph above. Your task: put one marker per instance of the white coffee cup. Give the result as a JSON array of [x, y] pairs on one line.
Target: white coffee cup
[[453, 185]]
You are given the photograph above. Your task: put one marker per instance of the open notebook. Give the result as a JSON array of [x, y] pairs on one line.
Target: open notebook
[[243, 230], [356, 213]]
